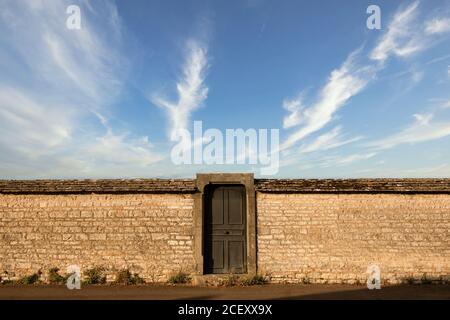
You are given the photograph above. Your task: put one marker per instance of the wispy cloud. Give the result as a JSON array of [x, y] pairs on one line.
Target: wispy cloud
[[120, 149], [402, 37], [47, 121], [438, 25], [446, 104], [343, 83], [416, 76], [295, 107], [338, 161], [329, 140], [441, 170], [326, 161], [438, 171], [41, 125], [191, 89], [406, 35], [424, 128]]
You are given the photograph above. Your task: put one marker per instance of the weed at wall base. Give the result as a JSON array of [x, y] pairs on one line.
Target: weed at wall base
[[125, 277], [31, 279], [95, 275], [54, 277], [179, 278], [256, 280]]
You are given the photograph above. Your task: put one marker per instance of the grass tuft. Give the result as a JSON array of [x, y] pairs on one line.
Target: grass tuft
[[179, 278], [95, 275], [127, 278]]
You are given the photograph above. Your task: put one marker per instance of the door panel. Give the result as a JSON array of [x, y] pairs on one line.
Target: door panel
[[236, 254], [217, 210], [235, 207], [218, 253], [225, 230]]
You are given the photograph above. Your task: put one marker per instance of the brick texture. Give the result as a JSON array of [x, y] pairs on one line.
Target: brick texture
[[148, 233], [320, 231], [330, 238]]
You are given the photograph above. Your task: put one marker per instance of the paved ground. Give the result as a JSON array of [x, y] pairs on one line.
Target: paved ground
[[154, 292]]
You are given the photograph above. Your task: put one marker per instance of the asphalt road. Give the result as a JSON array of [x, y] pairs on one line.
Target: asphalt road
[[166, 292]]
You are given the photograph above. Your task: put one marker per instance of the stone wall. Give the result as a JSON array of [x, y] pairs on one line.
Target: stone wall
[[150, 234], [321, 231], [333, 238]]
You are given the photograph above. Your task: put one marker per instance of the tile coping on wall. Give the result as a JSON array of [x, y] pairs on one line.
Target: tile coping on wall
[[107, 186]]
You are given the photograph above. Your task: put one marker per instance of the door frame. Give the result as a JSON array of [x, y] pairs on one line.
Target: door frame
[[244, 179]]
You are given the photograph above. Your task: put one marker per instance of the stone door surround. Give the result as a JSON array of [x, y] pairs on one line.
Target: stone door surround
[[204, 179]]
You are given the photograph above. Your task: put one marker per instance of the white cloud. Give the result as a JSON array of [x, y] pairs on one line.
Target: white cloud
[[346, 160], [329, 140], [431, 171], [28, 124], [422, 129], [446, 105], [402, 38], [52, 81], [343, 83], [438, 26], [191, 89], [441, 170], [295, 108], [406, 35], [416, 76], [120, 149]]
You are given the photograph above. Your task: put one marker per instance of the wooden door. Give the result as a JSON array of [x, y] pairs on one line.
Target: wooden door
[[225, 230]]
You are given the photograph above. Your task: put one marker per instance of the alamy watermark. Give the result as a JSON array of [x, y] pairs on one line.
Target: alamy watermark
[[374, 278], [374, 20], [73, 21], [235, 147], [74, 280]]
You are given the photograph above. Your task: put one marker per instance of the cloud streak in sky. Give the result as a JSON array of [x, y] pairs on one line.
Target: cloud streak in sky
[[404, 37], [350, 79], [191, 89], [424, 128], [346, 160], [345, 82], [438, 25], [66, 96], [48, 116], [329, 140]]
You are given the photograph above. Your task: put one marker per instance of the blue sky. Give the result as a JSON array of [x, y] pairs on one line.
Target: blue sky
[[103, 101]]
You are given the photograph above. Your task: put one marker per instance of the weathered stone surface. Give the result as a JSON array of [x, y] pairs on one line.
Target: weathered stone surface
[[332, 238], [148, 233], [307, 230]]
